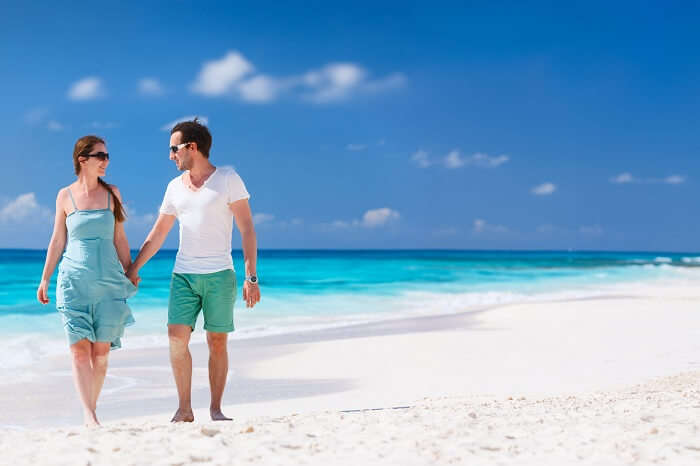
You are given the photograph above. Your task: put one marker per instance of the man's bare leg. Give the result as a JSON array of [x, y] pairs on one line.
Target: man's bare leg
[[82, 377], [218, 369], [181, 362], [100, 354]]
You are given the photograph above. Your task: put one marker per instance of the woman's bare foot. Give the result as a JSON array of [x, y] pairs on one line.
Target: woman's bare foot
[[90, 419], [217, 415], [183, 415]]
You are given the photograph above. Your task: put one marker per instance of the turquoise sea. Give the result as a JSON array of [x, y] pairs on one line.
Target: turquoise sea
[[311, 289]]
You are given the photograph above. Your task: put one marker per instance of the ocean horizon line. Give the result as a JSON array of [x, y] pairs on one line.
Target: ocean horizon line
[[514, 250]]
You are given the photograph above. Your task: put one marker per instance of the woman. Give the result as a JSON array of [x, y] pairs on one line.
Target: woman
[[91, 289]]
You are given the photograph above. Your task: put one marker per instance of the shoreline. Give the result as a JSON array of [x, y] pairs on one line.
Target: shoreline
[[55, 346]]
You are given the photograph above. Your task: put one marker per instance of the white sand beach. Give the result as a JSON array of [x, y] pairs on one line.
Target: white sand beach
[[610, 380]]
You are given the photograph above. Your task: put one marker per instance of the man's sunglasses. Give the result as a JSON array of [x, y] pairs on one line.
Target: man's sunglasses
[[174, 149], [102, 156]]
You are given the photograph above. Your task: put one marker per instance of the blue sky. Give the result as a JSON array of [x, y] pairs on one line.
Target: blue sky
[[371, 125]]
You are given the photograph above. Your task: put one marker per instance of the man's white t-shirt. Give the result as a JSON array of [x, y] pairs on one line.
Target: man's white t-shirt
[[206, 222]]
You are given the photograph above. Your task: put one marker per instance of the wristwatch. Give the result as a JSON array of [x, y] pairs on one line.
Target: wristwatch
[[252, 279]]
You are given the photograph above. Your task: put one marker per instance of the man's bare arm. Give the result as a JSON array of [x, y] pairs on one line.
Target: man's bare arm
[[153, 243], [244, 221]]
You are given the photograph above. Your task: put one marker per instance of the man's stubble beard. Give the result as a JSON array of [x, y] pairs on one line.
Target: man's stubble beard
[[185, 164]]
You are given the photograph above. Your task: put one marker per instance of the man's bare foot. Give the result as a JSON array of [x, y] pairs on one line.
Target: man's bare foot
[[90, 419], [217, 415], [183, 415]]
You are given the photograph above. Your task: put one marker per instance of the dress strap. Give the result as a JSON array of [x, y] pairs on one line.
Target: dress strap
[[72, 200], [109, 199]]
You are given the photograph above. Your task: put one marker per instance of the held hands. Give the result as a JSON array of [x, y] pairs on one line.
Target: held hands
[[42, 293], [133, 275], [251, 293]]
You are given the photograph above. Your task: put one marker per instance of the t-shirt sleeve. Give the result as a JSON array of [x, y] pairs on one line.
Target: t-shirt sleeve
[[168, 207], [236, 188]]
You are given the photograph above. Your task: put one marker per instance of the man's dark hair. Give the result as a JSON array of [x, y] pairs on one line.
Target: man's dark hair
[[194, 131]]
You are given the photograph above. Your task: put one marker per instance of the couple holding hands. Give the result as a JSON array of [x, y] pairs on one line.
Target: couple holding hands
[[96, 275]]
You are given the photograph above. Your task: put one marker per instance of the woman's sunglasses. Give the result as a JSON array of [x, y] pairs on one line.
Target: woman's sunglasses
[[102, 156]]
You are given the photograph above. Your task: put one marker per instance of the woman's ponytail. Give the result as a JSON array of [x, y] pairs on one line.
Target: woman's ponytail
[[119, 215]]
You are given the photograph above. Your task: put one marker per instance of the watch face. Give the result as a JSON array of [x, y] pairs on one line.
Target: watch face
[[253, 279]]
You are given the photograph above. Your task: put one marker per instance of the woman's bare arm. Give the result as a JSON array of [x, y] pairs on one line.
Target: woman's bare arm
[[121, 243], [55, 249]]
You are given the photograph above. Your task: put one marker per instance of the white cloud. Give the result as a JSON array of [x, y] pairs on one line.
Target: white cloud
[[379, 217], [333, 82], [261, 218], [372, 218], [134, 218], [592, 230], [150, 86], [338, 81], [218, 77], [626, 178], [36, 116], [356, 147], [482, 226], [622, 178], [420, 158], [145, 219], [545, 189], [24, 207], [168, 126], [455, 160], [53, 125], [674, 179], [260, 89], [485, 160], [86, 89], [233, 74]]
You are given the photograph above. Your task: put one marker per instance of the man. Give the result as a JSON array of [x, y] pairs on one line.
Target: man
[[205, 200]]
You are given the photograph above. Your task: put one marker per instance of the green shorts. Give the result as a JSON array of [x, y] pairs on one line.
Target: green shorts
[[214, 293]]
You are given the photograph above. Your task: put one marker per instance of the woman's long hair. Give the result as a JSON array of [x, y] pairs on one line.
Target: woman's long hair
[[83, 147]]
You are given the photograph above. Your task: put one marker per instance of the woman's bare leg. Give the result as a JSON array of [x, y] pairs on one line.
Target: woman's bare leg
[[82, 377], [100, 354]]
